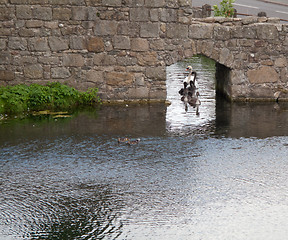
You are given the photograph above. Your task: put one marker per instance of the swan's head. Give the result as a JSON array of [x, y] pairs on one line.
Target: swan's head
[[189, 68]]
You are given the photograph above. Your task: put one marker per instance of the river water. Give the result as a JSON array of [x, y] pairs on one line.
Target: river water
[[222, 174]]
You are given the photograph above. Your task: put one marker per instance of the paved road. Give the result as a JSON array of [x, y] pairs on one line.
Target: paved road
[[253, 7]]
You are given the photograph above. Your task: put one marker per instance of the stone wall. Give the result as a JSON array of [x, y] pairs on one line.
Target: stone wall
[[123, 46], [109, 44]]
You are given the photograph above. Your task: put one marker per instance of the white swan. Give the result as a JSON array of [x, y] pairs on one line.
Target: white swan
[[190, 74]]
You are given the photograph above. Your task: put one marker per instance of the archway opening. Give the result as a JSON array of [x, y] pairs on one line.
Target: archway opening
[[222, 80]]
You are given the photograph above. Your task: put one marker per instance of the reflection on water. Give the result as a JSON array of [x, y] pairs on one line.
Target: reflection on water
[[220, 175], [178, 120]]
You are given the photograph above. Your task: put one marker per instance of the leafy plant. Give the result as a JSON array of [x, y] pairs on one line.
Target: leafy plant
[[53, 96], [226, 9]]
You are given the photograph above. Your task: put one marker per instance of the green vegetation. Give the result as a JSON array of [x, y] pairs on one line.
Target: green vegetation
[[226, 9], [53, 96]]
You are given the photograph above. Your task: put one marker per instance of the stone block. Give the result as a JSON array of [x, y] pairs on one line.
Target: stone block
[[139, 45], [105, 27], [33, 71], [73, 60], [281, 62], [112, 3], [148, 30], [6, 13], [154, 15], [264, 74], [39, 44], [157, 44], [43, 13], [185, 3], [62, 14], [3, 44], [155, 4], [119, 79], [168, 15], [121, 42], [129, 29], [221, 32], [58, 44], [95, 44], [249, 32], [139, 14], [95, 76], [60, 73], [138, 93], [49, 60], [201, 31], [147, 59], [94, 2], [175, 30], [23, 12], [156, 73], [79, 13], [34, 23], [267, 31], [6, 75], [17, 43], [84, 13], [78, 42]]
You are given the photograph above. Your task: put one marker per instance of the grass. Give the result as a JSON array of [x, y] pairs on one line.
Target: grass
[[53, 96]]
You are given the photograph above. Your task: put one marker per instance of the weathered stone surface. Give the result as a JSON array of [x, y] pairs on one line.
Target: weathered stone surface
[[265, 31], [23, 12], [281, 62], [139, 93], [149, 30], [200, 31], [78, 42], [43, 13], [58, 44], [6, 13], [34, 24], [62, 13], [95, 76], [147, 59], [73, 60], [60, 73], [39, 44], [264, 74], [177, 31], [17, 43], [156, 73], [168, 15], [139, 14], [155, 4], [117, 79], [139, 45], [33, 71], [103, 28], [112, 3], [222, 32], [103, 59], [121, 42], [95, 44], [6, 75]]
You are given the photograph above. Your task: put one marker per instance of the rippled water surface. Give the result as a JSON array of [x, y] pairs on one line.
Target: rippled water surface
[[220, 175]]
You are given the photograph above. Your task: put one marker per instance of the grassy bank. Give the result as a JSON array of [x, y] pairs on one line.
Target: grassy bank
[[53, 96]]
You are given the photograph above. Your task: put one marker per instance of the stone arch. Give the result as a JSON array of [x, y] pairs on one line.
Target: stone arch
[[123, 46]]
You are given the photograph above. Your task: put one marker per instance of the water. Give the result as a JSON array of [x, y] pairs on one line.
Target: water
[[220, 175]]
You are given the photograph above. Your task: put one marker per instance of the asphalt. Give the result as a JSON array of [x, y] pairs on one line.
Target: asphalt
[[273, 8]]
